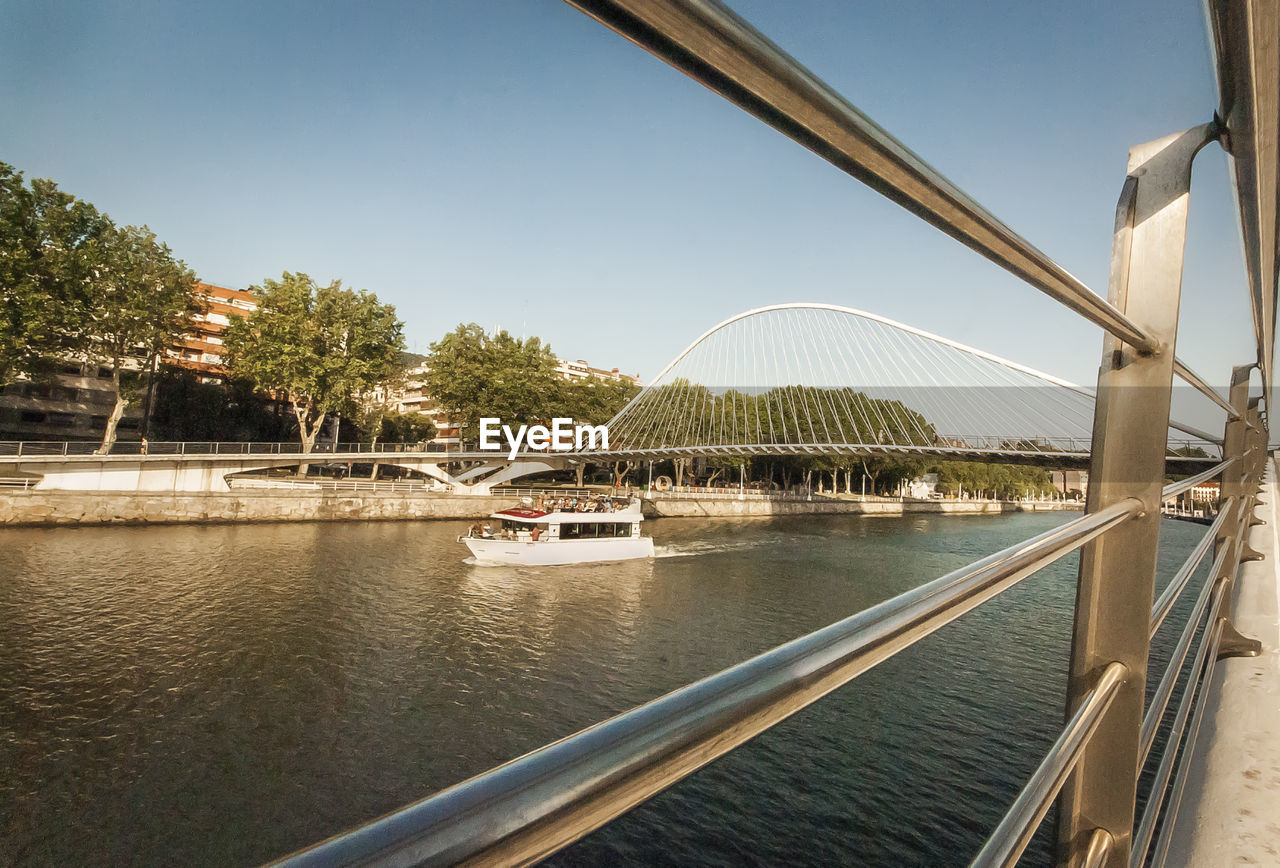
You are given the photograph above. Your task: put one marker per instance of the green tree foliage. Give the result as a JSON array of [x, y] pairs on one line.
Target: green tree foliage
[[591, 401], [406, 428], [471, 374], [992, 480], [681, 413], [48, 244], [187, 409], [140, 300], [318, 347]]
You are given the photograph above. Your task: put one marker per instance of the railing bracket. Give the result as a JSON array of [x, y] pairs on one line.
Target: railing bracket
[[1247, 553], [1233, 644]]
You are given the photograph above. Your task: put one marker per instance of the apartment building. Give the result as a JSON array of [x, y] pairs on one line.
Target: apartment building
[[414, 398], [201, 348], [580, 370], [73, 405]]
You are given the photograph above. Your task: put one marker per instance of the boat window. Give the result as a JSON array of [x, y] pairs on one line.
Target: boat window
[[570, 530]]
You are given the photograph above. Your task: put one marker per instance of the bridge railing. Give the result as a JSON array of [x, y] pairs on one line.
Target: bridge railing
[[530, 807], [20, 448]]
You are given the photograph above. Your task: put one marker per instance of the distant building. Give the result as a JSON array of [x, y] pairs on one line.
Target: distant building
[[74, 405], [1074, 484], [580, 370], [1206, 492], [921, 487], [413, 397], [201, 349]]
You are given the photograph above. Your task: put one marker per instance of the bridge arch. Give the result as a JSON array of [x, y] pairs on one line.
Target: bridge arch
[[818, 378]]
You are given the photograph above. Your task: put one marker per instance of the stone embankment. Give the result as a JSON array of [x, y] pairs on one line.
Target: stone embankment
[[56, 508], [50, 508], [728, 507]]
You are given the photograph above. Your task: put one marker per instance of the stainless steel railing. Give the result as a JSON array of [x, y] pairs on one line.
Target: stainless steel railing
[[533, 805]]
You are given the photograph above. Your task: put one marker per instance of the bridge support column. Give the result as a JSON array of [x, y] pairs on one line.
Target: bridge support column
[[1130, 433]]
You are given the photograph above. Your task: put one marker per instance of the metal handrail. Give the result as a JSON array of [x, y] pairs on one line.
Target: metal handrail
[[1164, 604], [1100, 843], [161, 448], [534, 805], [1173, 489], [1204, 665], [1160, 699], [714, 46], [1191, 378], [1219, 582], [1021, 821]]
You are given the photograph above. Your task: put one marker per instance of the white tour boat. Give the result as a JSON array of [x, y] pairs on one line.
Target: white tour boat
[[530, 535]]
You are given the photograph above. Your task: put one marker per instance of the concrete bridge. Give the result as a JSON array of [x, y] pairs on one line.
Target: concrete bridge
[[209, 467]]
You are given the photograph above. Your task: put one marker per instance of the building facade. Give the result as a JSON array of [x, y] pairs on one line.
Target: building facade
[[201, 349], [580, 370], [73, 405]]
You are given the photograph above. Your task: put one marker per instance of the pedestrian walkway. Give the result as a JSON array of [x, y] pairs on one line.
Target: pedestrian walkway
[[1230, 813]]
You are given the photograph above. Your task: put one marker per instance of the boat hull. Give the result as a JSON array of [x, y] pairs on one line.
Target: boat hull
[[557, 552]]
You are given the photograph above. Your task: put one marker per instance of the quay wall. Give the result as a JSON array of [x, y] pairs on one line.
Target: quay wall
[[727, 508], [57, 508]]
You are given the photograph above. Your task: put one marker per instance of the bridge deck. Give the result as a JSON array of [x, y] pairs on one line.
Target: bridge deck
[[1230, 813]]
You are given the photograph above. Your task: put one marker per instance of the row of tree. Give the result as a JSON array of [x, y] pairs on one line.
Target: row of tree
[[681, 413], [843, 474], [74, 285]]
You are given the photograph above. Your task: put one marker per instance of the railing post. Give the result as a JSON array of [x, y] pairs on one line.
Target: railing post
[[1233, 446], [1238, 480], [1130, 434]]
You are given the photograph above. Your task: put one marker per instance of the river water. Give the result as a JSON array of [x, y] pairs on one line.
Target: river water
[[226, 694]]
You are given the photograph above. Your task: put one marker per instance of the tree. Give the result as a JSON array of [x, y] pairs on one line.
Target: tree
[[140, 299], [374, 404], [46, 239], [315, 346], [187, 409], [591, 400], [471, 374]]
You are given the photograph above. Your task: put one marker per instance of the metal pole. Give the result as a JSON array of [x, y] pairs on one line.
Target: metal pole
[[1239, 440], [1130, 433]]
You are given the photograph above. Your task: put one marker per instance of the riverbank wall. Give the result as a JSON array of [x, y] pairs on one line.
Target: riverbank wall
[[731, 508], [73, 508], [58, 508]]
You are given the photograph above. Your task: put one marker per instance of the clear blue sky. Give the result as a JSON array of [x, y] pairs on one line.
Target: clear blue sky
[[516, 164]]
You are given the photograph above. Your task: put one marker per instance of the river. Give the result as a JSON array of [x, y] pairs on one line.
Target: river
[[226, 694]]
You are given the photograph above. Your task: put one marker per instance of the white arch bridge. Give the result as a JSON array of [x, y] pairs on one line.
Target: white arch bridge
[[789, 379], [821, 379]]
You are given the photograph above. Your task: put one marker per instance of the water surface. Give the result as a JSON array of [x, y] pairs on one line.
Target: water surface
[[226, 694]]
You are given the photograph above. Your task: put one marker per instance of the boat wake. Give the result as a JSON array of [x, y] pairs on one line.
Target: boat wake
[[693, 549]]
